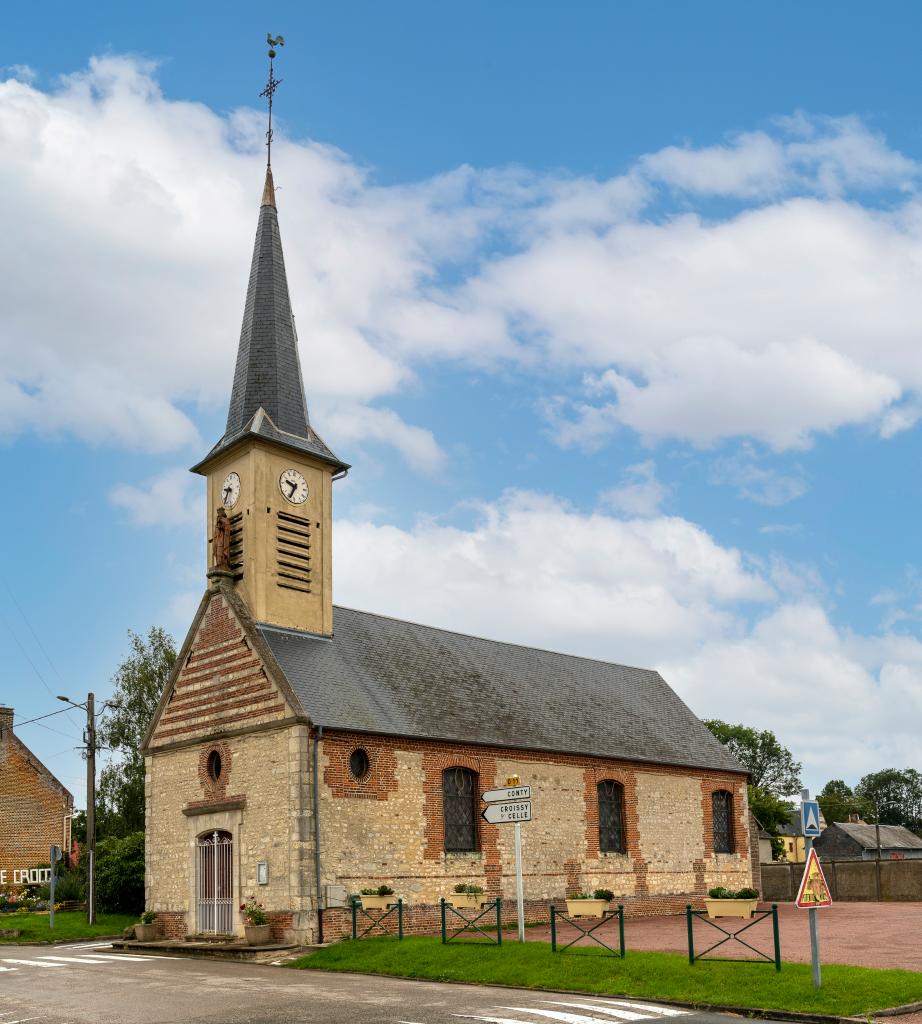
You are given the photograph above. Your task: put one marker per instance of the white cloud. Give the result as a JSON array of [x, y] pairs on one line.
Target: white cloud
[[353, 424], [754, 480], [814, 154], [641, 493], [136, 212], [657, 592], [172, 499], [625, 589]]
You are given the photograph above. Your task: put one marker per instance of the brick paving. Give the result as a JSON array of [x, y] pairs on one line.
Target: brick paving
[[864, 934]]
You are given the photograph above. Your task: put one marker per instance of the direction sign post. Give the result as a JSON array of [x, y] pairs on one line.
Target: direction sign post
[[511, 805]]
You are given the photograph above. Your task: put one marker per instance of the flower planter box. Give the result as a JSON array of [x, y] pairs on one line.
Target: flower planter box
[[466, 900], [378, 902], [731, 908], [587, 908], [258, 934], [147, 932]]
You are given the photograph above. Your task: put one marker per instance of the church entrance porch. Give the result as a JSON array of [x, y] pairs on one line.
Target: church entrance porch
[[215, 883]]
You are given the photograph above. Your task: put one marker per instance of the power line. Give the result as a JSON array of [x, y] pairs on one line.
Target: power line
[[38, 641], [50, 714]]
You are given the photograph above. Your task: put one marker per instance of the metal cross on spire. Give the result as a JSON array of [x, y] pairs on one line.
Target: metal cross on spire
[[269, 91]]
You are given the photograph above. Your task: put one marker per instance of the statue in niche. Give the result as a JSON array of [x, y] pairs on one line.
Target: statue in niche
[[221, 542]]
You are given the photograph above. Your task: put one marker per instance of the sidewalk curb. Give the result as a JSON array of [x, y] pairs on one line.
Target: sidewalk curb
[[741, 1011]]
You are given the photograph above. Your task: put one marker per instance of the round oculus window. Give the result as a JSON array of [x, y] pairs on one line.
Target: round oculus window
[[359, 764], [214, 765]]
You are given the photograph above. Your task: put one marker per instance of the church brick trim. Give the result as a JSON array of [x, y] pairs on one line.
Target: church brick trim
[[381, 779]]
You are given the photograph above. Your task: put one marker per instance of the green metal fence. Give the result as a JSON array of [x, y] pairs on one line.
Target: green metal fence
[[584, 932], [734, 936], [385, 921], [470, 923]]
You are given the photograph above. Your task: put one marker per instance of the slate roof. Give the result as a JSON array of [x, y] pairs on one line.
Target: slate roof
[[892, 837], [383, 675], [267, 397]]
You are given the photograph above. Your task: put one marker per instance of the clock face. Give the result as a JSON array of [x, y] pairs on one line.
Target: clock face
[[230, 490], [293, 486]]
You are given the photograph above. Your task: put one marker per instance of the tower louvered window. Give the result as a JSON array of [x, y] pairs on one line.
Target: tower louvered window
[[722, 814], [459, 800], [235, 552], [611, 816], [293, 552]]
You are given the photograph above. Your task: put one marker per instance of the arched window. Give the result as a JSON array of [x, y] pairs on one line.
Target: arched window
[[611, 816], [722, 814], [459, 801]]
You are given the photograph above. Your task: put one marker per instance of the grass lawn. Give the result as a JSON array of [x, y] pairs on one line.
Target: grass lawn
[[845, 991], [68, 924]]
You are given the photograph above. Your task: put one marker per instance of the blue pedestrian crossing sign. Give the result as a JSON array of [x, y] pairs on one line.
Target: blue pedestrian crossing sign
[[810, 818]]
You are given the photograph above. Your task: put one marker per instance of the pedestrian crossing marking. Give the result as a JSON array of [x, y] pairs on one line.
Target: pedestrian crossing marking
[[562, 1015], [663, 1011], [29, 963], [611, 1011], [73, 959]]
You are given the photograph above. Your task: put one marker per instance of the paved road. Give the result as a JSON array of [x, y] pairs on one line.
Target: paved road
[[85, 984]]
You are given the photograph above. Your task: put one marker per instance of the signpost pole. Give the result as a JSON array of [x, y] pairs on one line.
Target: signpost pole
[[519, 886], [52, 856], [814, 935]]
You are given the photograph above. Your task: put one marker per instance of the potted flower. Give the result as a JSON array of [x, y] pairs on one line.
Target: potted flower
[[257, 929], [378, 899], [146, 931], [466, 897], [586, 904], [723, 902]]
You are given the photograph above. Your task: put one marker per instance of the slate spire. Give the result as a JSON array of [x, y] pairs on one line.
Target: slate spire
[[268, 373], [267, 397]]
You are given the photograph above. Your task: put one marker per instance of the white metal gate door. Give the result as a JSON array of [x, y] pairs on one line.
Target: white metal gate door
[[216, 883]]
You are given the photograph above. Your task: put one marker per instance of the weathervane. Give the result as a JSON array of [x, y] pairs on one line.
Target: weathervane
[[268, 92]]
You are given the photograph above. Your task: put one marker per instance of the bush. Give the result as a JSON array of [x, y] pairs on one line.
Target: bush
[[466, 889], [603, 894], [70, 884], [120, 874], [720, 893]]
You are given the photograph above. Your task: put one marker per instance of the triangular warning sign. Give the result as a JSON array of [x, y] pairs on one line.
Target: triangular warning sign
[[811, 821], [813, 892]]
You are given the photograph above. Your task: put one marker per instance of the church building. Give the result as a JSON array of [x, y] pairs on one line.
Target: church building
[[303, 751]]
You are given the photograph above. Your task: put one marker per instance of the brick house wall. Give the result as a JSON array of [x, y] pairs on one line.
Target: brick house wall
[[35, 808]]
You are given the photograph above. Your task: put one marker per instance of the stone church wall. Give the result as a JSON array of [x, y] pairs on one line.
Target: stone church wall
[[264, 804], [388, 828]]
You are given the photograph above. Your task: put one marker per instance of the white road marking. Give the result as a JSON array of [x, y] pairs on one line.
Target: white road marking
[[73, 959], [131, 957], [490, 1020], [664, 1011], [561, 1015], [22, 1020], [621, 1014], [29, 963], [7, 969]]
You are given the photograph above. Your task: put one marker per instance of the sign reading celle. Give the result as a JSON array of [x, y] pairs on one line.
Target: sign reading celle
[[25, 876], [507, 814]]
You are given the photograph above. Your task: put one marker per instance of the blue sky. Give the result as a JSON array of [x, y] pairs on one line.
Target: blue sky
[[615, 310]]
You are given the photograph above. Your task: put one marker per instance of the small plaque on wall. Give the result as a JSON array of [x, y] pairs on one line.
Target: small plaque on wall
[[262, 873]]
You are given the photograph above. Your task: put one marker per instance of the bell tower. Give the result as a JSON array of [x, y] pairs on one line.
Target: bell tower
[[270, 477]]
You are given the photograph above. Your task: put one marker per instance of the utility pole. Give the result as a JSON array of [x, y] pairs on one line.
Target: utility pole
[[90, 737], [91, 809]]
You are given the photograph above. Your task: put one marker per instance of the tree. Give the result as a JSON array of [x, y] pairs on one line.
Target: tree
[[137, 685], [770, 810], [120, 873], [897, 795], [771, 766], [837, 801]]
